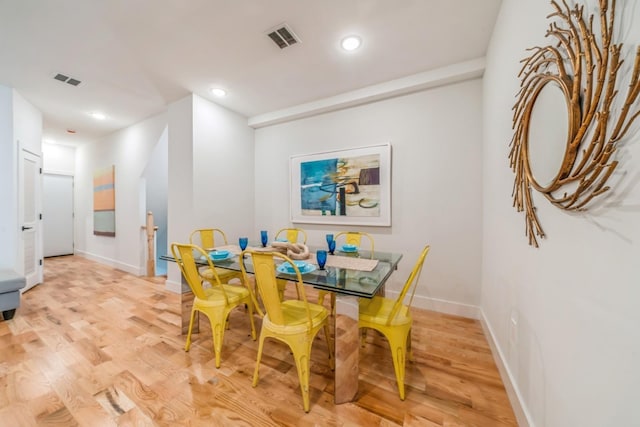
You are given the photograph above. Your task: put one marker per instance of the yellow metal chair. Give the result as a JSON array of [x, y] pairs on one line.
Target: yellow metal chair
[[392, 318], [295, 322], [351, 238], [206, 239], [215, 302], [354, 238], [292, 235]]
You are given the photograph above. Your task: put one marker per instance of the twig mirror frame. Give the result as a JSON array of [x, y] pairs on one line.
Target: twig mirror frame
[[585, 66]]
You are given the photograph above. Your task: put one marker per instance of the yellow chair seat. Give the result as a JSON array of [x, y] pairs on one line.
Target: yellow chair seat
[[223, 274], [378, 309], [215, 296], [294, 313]]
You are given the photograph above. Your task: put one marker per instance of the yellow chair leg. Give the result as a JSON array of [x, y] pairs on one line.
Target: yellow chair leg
[[331, 356], [332, 300], [302, 365], [217, 329], [255, 372], [363, 336], [398, 342], [253, 325], [321, 295], [187, 346]]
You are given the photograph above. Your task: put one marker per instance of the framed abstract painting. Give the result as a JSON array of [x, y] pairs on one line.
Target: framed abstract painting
[[349, 187], [104, 202]]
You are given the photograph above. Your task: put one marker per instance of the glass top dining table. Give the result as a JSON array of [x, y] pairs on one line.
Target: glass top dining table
[[348, 285], [340, 280]]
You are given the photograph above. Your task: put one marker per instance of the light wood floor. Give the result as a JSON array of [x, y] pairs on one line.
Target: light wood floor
[[94, 346]]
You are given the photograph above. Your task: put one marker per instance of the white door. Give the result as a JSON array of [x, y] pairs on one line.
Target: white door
[[57, 214], [29, 208]]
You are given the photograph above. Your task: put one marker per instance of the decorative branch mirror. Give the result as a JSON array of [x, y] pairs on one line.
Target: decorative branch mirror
[[575, 77]]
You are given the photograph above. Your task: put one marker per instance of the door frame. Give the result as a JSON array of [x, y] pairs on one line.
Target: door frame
[[37, 276]]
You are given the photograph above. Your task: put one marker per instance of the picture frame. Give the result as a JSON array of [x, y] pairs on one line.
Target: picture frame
[[104, 202], [342, 187]]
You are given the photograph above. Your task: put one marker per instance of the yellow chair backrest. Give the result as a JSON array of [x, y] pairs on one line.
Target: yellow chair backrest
[[206, 238], [264, 268], [411, 283], [184, 254], [292, 234], [355, 238]]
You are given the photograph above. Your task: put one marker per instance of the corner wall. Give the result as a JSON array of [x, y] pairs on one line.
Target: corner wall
[[436, 143], [565, 316], [211, 152], [129, 150]]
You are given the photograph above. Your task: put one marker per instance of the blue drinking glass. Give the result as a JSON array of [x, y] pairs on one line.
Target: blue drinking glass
[[321, 257], [329, 238], [243, 242], [332, 246], [264, 238]]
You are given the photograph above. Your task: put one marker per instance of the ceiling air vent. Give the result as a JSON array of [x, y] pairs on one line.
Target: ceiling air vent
[[283, 36], [66, 79]]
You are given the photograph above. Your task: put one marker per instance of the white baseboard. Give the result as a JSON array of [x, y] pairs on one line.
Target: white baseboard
[[522, 415], [441, 306], [131, 269], [171, 286]]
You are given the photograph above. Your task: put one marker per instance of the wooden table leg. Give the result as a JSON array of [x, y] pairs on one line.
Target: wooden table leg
[[347, 346]]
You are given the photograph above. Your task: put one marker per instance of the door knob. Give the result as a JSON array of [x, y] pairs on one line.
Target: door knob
[[26, 228]]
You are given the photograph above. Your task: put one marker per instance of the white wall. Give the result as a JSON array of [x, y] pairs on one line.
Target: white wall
[[210, 172], [157, 188], [223, 158], [20, 128], [129, 150], [8, 181], [58, 159], [27, 124], [573, 353], [436, 183]]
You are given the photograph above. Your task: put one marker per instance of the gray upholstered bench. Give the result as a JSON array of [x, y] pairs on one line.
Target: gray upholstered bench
[[10, 285]]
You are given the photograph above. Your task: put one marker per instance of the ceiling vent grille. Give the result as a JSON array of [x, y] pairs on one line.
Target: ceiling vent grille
[[67, 79], [283, 36]]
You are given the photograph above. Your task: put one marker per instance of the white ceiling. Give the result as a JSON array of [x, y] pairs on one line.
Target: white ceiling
[[136, 57]]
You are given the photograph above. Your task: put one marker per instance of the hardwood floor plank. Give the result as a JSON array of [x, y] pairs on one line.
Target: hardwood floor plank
[[94, 346]]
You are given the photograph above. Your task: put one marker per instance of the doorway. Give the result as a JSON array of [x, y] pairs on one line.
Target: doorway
[[57, 214]]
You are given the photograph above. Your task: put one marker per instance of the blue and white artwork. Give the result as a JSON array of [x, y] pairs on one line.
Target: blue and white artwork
[[350, 186], [341, 186]]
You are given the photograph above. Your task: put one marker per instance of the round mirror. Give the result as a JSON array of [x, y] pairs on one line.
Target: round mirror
[[548, 133]]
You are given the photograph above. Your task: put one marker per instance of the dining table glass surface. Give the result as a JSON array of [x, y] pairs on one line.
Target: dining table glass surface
[[347, 281]]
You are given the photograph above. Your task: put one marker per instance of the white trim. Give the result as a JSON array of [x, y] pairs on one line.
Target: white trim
[[175, 287], [417, 82], [520, 410], [57, 172], [474, 312], [131, 269], [441, 306]]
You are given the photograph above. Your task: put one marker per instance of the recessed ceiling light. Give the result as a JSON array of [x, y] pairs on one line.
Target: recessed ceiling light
[[97, 115], [220, 93], [351, 43]]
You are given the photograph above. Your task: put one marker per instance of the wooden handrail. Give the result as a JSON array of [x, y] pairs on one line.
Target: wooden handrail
[[151, 231]]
